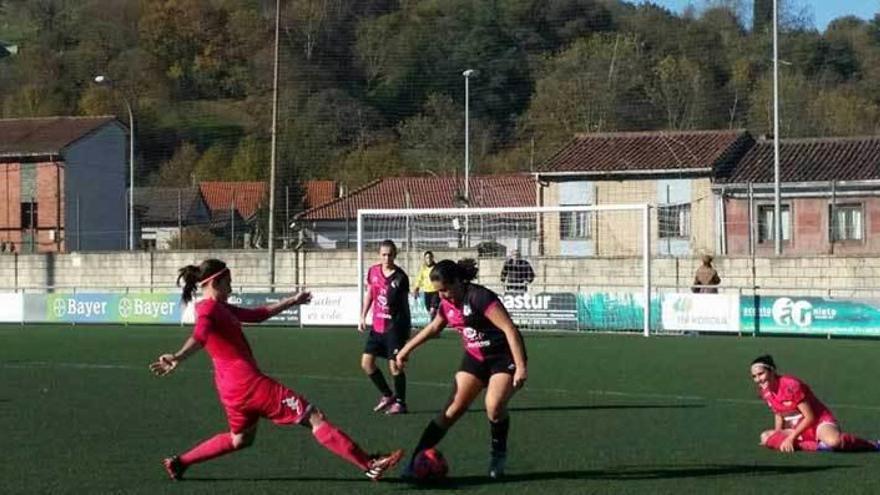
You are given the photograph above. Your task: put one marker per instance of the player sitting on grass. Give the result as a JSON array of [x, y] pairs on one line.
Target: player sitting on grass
[[802, 421], [245, 392]]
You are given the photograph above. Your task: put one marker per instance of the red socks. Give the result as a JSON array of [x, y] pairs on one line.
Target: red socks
[[213, 447], [848, 443], [852, 443], [334, 440]]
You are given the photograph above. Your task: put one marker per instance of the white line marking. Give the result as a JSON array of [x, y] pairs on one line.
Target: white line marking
[[607, 393]]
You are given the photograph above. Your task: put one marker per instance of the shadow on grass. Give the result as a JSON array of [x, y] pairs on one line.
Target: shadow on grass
[[591, 407], [624, 473], [630, 474]]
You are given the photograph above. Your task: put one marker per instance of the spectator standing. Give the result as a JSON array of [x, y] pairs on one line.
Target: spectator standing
[[706, 276], [517, 273]]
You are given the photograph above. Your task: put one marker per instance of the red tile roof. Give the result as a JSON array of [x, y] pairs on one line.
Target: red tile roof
[[488, 191], [628, 152], [45, 135], [810, 160], [318, 192], [248, 196]]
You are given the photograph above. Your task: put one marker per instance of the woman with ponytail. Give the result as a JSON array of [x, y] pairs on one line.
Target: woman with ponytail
[[245, 392], [494, 358]]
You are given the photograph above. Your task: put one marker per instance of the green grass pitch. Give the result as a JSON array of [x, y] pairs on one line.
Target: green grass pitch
[[600, 414]]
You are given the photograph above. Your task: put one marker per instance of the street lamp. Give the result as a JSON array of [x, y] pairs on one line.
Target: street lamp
[[468, 74], [104, 80]]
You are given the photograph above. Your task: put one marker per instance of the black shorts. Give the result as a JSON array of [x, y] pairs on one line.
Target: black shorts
[[500, 363], [432, 301], [386, 344]]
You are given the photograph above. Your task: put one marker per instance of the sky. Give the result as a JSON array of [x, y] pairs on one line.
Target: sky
[[824, 11]]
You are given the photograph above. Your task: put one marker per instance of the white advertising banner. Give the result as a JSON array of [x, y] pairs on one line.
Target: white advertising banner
[[11, 308], [701, 312], [331, 307]]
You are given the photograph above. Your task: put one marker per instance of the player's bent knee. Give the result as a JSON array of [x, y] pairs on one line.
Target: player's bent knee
[[833, 442], [242, 441], [316, 418], [775, 439]]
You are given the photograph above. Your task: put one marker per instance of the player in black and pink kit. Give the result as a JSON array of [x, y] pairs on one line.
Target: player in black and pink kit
[[387, 296], [494, 357]]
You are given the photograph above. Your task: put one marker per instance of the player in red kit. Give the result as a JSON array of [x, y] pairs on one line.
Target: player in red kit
[[387, 296], [494, 359], [801, 420], [245, 392]]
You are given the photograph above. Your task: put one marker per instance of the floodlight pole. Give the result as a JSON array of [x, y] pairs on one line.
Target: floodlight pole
[[777, 204], [467, 134], [273, 159]]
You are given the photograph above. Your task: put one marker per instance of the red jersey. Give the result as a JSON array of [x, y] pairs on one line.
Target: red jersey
[[218, 329], [788, 393]]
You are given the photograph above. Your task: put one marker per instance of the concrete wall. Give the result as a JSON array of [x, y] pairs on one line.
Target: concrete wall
[[816, 275]]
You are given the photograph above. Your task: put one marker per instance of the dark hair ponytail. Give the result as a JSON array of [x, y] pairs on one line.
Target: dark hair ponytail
[[449, 272], [766, 360], [192, 275]]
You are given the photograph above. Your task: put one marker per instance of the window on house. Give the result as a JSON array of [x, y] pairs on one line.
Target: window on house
[[29, 216], [574, 225], [846, 222], [674, 221], [766, 232]]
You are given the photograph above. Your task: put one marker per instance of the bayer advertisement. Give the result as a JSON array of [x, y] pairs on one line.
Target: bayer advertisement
[[103, 308]]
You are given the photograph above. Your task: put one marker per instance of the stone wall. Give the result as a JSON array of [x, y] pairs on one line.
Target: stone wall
[[815, 275]]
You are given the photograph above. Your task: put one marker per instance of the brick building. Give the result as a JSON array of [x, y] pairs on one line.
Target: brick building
[[670, 170], [830, 198], [62, 184]]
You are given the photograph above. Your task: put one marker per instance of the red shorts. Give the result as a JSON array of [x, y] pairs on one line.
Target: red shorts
[[271, 400], [811, 434]]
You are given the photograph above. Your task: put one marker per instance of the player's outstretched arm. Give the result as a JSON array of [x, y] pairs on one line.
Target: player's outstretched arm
[[167, 363], [297, 299], [499, 317], [433, 328]]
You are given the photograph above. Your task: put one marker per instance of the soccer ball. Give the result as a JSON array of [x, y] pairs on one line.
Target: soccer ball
[[430, 465]]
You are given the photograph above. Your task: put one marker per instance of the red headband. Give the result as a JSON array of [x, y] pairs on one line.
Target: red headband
[[205, 281]]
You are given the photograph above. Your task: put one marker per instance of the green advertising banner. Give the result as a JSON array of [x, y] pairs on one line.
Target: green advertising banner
[[103, 308], [616, 311], [810, 315]]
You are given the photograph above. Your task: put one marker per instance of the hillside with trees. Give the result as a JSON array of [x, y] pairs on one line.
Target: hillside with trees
[[372, 88]]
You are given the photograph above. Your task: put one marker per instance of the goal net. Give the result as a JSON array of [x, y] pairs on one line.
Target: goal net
[[580, 268]]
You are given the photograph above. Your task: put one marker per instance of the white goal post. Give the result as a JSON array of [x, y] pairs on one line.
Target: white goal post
[[561, 244]]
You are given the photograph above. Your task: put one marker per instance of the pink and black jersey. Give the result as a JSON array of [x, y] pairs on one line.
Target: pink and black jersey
[[480, 337], [390, 297], [218, 329], [788, 393]]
